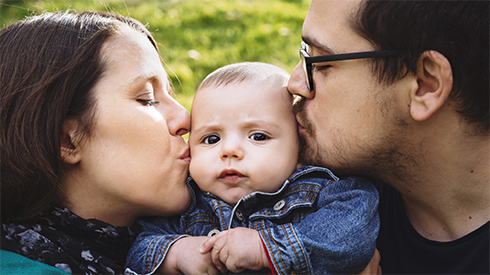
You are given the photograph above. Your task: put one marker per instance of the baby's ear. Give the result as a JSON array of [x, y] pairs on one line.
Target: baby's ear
[[70, 152], [435, 82]]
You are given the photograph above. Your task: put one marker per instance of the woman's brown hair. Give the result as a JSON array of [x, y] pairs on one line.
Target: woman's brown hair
[[49, 65]]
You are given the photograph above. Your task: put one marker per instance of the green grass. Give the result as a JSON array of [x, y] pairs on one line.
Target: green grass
[[198, 36]]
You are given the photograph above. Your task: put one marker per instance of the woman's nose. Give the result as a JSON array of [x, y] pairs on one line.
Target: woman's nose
[[297, 83], [178, 119]]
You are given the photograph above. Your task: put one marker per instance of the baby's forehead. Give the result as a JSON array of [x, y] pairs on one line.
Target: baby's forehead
[[270, 90]]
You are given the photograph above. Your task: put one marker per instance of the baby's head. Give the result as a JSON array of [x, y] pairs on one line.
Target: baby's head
[[243, 131]]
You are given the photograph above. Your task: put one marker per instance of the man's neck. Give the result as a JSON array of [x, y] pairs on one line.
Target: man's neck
[[450, 196]]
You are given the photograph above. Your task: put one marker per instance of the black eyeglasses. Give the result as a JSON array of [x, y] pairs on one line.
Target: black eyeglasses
[[308, 60]]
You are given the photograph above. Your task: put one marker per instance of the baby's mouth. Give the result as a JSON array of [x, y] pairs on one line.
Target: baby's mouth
[[230, 176]]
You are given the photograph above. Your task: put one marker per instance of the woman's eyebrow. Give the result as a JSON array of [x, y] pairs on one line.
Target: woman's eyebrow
[[143, 79], [139, 82]]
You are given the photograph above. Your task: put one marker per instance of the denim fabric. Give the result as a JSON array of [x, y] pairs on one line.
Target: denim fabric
[[315, 224]]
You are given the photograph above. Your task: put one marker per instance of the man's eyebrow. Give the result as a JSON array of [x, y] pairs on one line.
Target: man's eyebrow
[[314, 43]]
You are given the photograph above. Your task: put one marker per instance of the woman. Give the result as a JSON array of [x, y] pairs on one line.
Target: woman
[[91, 139]]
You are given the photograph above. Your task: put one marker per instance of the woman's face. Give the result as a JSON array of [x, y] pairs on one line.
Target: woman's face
[[135, 160]]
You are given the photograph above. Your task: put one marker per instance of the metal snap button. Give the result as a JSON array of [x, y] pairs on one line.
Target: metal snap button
[[279, 205], [213, 232], [239, 215]]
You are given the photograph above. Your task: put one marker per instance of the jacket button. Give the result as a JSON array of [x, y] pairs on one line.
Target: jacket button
[[279, 205], [239, 215], [213, 232]]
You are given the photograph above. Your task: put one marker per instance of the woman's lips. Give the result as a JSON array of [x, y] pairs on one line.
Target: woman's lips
[[186, 156]]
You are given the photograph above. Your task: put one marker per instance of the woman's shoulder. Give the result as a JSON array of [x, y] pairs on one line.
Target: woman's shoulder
[[13, 263]]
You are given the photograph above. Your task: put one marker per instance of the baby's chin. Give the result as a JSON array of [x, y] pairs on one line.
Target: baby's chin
[[232, 201], [232, 197]]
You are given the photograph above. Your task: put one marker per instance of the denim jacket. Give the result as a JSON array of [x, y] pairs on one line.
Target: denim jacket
[[315, 223]]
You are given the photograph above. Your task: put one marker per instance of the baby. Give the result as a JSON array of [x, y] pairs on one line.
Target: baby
[[252, 207]]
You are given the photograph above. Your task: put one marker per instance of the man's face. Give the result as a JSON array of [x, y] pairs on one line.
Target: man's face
[[349, 119]]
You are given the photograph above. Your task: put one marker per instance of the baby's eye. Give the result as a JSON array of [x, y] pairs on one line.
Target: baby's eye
[[212, 139], [148, 102], [258, 137]]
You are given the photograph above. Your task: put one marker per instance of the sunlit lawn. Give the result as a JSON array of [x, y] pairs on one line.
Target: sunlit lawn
[[197, 36]]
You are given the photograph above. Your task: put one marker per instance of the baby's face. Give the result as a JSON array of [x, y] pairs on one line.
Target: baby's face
[[243, 139]]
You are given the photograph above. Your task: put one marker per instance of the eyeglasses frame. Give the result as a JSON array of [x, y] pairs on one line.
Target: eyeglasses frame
[[308, 60]]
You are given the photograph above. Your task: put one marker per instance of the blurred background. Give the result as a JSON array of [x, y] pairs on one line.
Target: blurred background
[[196, 37]]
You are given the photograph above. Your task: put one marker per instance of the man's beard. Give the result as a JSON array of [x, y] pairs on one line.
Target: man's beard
[[310, 154], [386, 160]]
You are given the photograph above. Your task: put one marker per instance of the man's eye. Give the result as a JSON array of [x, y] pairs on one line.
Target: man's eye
[[317, 68], [258, 137], [211, 139], [148, 102]]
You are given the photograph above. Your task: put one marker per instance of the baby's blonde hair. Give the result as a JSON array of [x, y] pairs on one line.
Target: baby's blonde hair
[[238, 72]]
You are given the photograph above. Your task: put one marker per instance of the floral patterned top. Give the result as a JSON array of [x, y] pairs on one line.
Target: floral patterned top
[[62, 239]]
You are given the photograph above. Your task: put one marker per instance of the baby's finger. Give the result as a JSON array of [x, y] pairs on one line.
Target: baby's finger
[[230, 262], [216, 258], [209, 243], [212, 270], [222, 269]]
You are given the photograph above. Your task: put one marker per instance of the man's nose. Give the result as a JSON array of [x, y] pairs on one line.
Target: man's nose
[[297, 83]]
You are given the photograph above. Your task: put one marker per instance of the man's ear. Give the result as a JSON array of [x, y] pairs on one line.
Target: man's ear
[[435, 82], [70, 151]]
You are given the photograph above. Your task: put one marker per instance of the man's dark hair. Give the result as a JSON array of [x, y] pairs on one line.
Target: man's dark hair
[[49, 65], [457, 29]]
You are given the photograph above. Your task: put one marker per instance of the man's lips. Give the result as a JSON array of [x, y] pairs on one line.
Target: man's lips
[[299, 120], [230, 176], [300, 125]]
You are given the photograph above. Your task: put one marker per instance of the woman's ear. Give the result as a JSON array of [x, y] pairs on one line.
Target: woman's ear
[[435, 82], [70, 151]]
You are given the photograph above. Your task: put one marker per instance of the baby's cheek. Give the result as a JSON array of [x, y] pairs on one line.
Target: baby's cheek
[[194, 167], [200, 170]]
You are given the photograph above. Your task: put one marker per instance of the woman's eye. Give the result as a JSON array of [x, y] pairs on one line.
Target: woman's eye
[[259, 137], [211, 139], [148, 103]]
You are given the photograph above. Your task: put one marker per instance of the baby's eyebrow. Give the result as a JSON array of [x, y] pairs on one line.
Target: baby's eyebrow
[[204, 129], [254, 123], [260, 123]]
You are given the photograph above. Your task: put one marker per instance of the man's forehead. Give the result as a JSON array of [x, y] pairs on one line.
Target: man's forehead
[[328, 27]]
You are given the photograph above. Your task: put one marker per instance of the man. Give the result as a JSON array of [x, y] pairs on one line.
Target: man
[[412, 112]]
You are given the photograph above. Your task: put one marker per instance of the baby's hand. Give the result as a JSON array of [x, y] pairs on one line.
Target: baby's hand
[[237, 249], [184, 257]]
